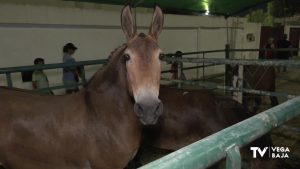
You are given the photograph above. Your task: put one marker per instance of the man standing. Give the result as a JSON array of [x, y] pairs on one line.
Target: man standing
[[70, 74], [39, 78], [283, 55]]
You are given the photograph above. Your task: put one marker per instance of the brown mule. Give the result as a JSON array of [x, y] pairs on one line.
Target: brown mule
[[258, 78], [98, 127], [191, 115]]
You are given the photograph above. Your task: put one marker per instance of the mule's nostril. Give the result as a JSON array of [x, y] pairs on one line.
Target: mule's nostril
[[148, 112], [159, 109], [140, 107]]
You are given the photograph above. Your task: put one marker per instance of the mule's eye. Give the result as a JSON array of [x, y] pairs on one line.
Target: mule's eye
[[161, 56], [126, 57]]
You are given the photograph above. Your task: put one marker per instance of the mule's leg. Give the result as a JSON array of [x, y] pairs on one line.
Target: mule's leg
[[274, 101]]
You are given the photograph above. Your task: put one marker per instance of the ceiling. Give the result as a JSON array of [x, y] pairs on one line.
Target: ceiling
[[192, 7]]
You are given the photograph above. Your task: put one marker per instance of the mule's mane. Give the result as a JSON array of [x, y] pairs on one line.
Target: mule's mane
[[142, 35], [115, 53]]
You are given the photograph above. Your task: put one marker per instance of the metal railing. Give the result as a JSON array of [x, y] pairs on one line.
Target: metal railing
[[207, 62], [261, 62], [227, 142], [8, 71], [213, 62], [211, 85], [204, 153]]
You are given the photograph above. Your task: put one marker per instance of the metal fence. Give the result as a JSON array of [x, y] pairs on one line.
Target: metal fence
[[8, 71], [227, 142], [208, 62], [173, 57]]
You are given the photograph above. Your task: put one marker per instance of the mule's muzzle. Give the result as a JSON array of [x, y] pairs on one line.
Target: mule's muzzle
[[148, 113]]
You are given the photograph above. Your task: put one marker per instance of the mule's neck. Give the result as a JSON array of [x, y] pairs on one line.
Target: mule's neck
[[111, 108], [107, 92], [112, 75]]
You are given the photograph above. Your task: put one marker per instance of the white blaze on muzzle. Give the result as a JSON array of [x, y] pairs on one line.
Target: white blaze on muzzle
[[147, 105], [146, 95]]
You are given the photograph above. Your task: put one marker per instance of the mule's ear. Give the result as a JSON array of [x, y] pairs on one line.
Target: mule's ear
[[127, 22], [157, 22]]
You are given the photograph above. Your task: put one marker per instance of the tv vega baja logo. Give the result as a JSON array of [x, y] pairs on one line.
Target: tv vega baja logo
[[271, 152]]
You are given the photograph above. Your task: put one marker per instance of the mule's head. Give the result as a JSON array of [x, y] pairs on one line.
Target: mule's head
[[142, 57]]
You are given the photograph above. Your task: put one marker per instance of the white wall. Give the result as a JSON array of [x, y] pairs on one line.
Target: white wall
[[255, 29], [30, 31], [240, 35]]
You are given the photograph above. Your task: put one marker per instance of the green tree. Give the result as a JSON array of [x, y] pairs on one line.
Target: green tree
[[275, 9]]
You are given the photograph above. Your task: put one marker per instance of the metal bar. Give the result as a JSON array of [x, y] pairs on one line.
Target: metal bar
[[94, 62], [259, 92], [8, 80], [236, 50], [203, 70], [217, 75], [192, 67], [60, 87], [265, 49], [50, 66], [195, 67], [197, 52], [240, 83], [62, 65], [227, 31], [211, 85], [82, 74], [197, 71], [287, 63], [227, 51], [233, 158], [211, 149], [227, 67]]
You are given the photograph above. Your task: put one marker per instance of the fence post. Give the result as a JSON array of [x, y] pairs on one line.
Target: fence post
[[240, 83], [8, 79], [233, 158], [203, 69], [228, 73], [82, 75], [178, 54]]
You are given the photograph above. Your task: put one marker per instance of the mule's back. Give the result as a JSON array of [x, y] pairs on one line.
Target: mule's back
[[28, 104], [259, 77], [35, 129], [190, 115]]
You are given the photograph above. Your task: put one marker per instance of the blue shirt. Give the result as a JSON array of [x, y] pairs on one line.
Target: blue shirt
[[68, 73]]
